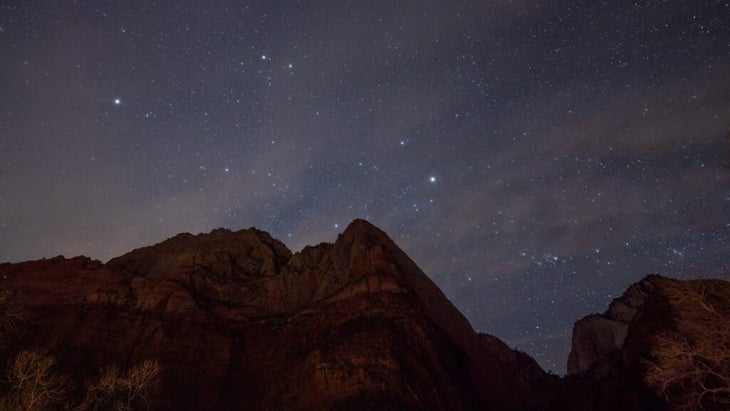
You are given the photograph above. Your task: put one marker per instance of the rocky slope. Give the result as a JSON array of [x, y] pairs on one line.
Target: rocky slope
[[236, 321]]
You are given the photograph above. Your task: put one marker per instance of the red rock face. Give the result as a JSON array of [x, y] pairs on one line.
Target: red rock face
[[238, 322]]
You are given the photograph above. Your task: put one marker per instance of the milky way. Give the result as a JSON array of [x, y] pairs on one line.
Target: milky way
[[533, 157]]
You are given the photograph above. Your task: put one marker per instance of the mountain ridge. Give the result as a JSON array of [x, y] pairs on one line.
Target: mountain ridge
[[235, 320], [239, 294]]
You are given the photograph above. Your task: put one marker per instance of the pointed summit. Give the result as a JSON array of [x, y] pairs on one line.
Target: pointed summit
[[363, 245], [363, 229]]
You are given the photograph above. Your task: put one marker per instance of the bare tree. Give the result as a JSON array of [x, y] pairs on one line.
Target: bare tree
[[123, 391], [35, 385], [689, 365], [140, 382]]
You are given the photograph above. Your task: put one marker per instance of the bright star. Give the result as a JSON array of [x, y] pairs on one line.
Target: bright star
[[291, 66], [432, 179], [117, 101], [263, 57]]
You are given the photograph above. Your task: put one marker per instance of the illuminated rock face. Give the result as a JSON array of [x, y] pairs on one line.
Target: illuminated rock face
[[237, 321]]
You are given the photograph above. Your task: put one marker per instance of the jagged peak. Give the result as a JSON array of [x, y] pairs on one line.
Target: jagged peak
[[358, 229], [217, 235], [246, 252]]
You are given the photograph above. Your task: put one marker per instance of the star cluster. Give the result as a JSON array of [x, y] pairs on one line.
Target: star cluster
[[534, 158]]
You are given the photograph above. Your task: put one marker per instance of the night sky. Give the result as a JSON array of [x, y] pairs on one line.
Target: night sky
[[533, 157]]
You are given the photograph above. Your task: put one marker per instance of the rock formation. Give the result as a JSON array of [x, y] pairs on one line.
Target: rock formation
[[663, 344], [236, 321], [597, 338]]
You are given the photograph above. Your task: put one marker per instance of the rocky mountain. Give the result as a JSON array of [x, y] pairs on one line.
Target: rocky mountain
[[235, 321]]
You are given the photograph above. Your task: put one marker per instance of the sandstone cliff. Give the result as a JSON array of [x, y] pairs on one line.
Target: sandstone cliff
[[236, 321]]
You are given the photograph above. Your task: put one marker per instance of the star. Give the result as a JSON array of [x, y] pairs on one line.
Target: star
[[432, 179], [117, 101]]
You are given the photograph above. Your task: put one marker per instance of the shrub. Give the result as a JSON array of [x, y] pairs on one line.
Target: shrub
[[123, 391]]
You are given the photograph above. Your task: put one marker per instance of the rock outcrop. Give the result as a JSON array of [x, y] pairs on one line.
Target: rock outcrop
[[598, 339], [664, 344], [236, 321]]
